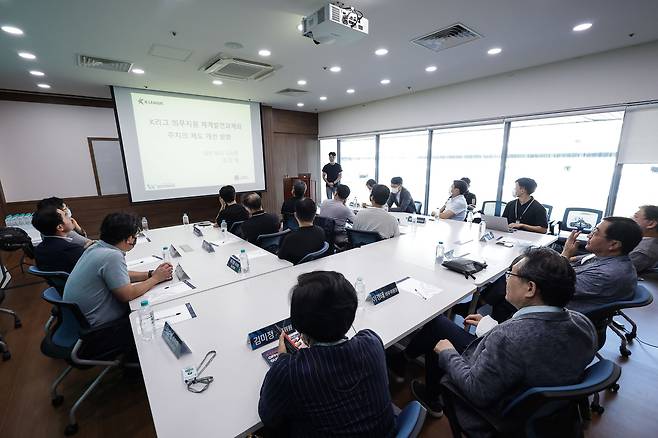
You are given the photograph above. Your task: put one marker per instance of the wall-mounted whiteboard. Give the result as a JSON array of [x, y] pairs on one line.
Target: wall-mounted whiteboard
[[108, 167]]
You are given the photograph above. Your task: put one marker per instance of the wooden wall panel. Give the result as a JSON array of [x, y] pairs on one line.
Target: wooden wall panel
[[294, 122]]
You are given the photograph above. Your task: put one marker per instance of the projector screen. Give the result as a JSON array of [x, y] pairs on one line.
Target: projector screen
[[178, 145]]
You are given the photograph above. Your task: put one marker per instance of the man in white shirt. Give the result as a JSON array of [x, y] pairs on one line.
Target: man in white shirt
[[337, 210], [456, 206], [375, 218]]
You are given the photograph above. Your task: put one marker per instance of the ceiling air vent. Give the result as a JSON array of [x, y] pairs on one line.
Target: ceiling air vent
[[291, 92], [237, 68], [446, 38], [103, 63]]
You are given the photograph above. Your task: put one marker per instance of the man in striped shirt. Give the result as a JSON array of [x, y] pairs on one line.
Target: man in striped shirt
[[336, 386]]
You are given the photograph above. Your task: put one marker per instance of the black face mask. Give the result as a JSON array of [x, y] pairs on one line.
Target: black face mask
[[134, 242]]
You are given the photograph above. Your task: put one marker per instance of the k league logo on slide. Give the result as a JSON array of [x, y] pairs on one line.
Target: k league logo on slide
[[143, 101]]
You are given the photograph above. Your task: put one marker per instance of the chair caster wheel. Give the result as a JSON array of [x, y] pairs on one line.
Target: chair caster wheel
[[18, 323], [614, 388], [57, 401], [6, 355], [598, 409], [71, 429], [624, 351]]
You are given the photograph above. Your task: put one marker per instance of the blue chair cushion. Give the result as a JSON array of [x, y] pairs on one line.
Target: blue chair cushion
[[407, 419]]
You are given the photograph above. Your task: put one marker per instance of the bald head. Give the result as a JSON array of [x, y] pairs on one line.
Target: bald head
[[253, 202]]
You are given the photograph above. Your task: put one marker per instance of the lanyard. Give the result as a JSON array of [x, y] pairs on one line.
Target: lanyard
[[516, 209], [205, 381]]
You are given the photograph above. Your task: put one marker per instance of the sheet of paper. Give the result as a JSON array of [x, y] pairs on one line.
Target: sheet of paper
[[254, 253], [419, 288], [143, 261], [167, 290], [142, 238], [172, 315]]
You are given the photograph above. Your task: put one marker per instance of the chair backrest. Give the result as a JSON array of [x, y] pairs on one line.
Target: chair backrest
[[549, 211], [290, 222], [583, 219], [493, 208], [56, 279], [271, 242], [419, 207], [358, 238], [70, 319], [315, 255], [328, 225], [236, 228], [411, 420]]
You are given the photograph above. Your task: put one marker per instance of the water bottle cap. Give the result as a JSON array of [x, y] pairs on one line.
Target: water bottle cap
[[359, 279], [164, 248], [440, 242], [242, 250], [144, 303]]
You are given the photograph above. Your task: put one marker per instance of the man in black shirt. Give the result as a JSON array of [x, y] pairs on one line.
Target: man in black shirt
[[331, 174], [259, 222], [401, 197], [305, 240], [525, 212], [57, 251], [471, 199], [298, 190], [230, 211]]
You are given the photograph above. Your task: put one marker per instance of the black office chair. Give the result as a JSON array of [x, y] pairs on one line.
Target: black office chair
[[328, 225], [581, 219], [419, 207], [236, 228], [358, 238], [4, 348], [549, 211], [290, 222], [315, 255], [493, 208], [271, 242]]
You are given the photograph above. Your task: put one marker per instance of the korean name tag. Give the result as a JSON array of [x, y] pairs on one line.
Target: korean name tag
[[174, 342], [207, 246], [384, 293], [268, 334], [234, 263], [197, 231]]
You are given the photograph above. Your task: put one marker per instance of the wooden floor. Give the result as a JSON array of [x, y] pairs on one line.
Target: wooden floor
[[119, 408]]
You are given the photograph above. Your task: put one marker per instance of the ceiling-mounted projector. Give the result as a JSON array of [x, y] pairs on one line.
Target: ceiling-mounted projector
[[335, 24]]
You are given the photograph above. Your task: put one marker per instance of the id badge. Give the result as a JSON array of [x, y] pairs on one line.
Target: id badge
[[518, 221]]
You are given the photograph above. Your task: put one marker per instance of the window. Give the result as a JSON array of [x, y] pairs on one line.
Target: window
[[404, 155], [326, 146], [472, 152], [357, 158], [636, 188], [572, 158]]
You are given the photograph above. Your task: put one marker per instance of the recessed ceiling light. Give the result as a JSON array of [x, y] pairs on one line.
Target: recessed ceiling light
[[37, 73], [27, 55], [323, 97], [335, 69], [494, 51], [43, 85], [300, 27], [301, 82], [12, 30], [264, 52], [350, 91], [581, 27], [300, 104], [381, 52], [430, 68], [385, 81], [137, 71], [217, 82]]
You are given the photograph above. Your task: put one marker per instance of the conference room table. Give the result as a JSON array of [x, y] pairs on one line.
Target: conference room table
[[224, 315]]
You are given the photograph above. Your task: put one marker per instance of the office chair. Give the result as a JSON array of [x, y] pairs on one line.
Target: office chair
[[70, 338], [493, 208], [271, 242], [540, 411], [582, 219], [236, 228], [328, 225], [315, 255], [549, 211], [4, 348], [411, 420], [419, 207], [56, 279], [359, 238], [290, 222]]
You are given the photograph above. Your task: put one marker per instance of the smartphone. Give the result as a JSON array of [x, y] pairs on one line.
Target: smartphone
[[290, 340]]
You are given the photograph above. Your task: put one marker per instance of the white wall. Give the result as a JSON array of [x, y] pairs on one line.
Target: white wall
[[44, 150], [619, 76]]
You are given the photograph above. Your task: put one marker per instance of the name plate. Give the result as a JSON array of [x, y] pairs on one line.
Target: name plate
[[487, 236], [207, 246], [234, 263], [419, 219], [268, 334], [180, 273], [173, 252], [384, 293], [174, 342], [197, 231]]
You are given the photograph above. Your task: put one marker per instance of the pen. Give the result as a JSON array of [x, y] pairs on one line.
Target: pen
[[157, 257], [499, 238], [168, 316], [421, 294]]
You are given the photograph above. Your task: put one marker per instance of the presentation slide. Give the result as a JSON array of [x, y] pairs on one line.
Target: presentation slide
[[178, 145]]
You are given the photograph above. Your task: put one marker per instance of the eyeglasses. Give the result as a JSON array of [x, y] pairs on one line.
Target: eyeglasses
[[509, 274]]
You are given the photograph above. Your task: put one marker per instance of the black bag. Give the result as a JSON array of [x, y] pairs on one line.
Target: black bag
[[464, 266], [13, 239]]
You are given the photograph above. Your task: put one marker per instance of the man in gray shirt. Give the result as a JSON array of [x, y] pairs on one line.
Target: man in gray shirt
[[645, 254], [375, 218], [337, 210]]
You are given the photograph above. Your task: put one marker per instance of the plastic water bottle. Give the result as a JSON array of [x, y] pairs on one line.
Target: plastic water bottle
[[165, 254], [356, 202], [244, 261], [439, 253], [361, 296], [385, 207], [9, 220], [222, 230], [145, 224], [469, 217], [483, 229], [186, 219], [146, 321]]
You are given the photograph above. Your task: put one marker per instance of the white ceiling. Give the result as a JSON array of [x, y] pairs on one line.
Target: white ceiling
[[530, 32]]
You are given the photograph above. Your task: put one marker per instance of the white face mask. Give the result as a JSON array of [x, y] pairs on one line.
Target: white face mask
[[395, 190], [514, 194], [69, 213]]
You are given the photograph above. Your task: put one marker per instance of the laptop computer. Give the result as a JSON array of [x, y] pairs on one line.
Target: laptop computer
[[497, 223]]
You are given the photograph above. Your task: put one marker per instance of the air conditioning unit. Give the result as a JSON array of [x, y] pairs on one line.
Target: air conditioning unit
[[238, 68], [333, 24]]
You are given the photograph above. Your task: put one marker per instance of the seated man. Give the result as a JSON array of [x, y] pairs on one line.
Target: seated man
[[526, 213], [101, 283], [370, 184], [375, 218], [229, 211], [401, 197], [77, 235], [259, 222], [645, 254], [307, 238], [337, 386], [543, 344], [455, 207], [298, 190], [338, 211], [56, 252], [471, 199]]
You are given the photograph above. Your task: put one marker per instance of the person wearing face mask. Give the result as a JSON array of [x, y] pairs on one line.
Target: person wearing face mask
[[455, 207], [101, 284], [56, 252], [400, 197], [77, 235], [525, 212]]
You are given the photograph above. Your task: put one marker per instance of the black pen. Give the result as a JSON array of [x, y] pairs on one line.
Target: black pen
[[499, 238], [157, 257], [168, 316]]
